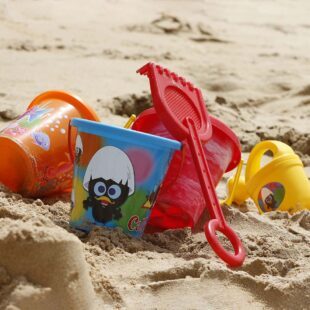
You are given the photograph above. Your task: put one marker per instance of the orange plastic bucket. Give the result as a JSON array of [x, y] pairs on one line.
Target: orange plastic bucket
[[35, 155]]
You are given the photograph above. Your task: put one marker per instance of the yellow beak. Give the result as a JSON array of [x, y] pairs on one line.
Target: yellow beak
[[147, 205], [105, 199]]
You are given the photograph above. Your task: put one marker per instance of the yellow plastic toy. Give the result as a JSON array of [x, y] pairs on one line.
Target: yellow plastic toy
[[130, 121], [232, 185], [280, 185]]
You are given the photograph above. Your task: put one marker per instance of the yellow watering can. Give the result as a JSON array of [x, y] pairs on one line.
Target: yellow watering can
[[280, 185]]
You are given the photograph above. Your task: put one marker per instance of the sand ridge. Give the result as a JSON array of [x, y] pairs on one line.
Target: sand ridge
[[128, 272]]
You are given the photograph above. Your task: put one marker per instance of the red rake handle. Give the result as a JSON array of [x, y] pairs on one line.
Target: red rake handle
[[217, 222], [203, 171]]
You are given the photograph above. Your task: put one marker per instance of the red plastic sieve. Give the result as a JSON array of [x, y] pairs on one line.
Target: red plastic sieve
[[182, 110]]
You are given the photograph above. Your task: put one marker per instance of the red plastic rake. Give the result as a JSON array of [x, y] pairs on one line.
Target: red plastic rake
[[181, 108]]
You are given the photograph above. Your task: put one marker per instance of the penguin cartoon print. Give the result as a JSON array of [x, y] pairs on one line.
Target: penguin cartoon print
[[269, 200], [109, 181]]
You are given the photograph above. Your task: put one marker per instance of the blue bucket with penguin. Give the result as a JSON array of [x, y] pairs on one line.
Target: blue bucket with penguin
[[117, 175]]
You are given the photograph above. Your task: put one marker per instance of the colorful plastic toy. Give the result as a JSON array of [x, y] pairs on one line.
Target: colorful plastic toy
[[35, 160], [180, 202], [130, 121], [281, 184], [233, 186], [182, 110], [117, 175]]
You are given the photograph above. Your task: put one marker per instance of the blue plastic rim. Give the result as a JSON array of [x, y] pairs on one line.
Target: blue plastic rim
[[119, 133]]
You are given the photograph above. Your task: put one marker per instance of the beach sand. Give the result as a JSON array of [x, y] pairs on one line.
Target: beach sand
[[251, 59]]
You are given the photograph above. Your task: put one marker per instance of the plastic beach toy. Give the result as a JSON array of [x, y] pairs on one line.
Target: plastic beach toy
[[35, 160], [180, 202], [181, 108], [233, 186], [281, 184], [117, 175]]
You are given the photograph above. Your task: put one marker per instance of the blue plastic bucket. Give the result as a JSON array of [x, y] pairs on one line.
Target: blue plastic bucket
[[117, 175]]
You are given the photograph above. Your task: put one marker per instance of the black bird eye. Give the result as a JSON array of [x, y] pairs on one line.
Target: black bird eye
[[114, 191], [100, 189]]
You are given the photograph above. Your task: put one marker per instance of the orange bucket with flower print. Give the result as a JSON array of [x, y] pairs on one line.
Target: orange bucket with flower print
[[35, 154]]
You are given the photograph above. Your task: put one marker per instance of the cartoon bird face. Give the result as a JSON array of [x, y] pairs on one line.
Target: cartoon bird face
[[110, 164], [270, 201], [108, 192], [109, 180]]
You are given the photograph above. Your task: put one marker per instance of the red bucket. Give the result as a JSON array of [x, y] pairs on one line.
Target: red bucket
[[180, 202]]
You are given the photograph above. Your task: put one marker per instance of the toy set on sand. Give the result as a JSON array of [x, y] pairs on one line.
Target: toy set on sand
[[158, 175]]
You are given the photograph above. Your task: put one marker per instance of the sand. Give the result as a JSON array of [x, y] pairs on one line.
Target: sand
[[251, 60]]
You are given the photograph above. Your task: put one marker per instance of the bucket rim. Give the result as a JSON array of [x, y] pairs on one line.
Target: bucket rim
[[236, 154], [104, 130], [85, 110]]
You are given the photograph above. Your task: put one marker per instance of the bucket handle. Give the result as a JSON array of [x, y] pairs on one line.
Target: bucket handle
[[254, 161], [230, 198]]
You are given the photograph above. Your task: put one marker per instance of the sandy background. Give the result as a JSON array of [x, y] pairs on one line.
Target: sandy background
[[252, 61]]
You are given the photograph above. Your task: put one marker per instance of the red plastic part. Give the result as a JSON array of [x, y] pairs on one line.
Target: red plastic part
[[181, 108], [174, 98], [204, 175], [180, 202], [233, 260], [226, 132]]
